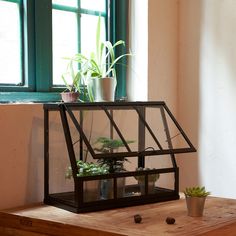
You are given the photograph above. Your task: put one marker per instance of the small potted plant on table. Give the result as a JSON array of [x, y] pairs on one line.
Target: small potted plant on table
[[195, 200]]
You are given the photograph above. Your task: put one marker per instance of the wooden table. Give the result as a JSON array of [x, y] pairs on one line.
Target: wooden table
[[42, 220]]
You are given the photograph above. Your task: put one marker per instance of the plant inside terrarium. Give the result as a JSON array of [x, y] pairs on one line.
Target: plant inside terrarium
[[88, 169], [108, 145], [151, 177]]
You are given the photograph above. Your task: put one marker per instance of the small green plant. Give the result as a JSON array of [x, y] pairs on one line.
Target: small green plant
[[151, 177], [107, 145], [72, 75], [100, 63], [88, 169], [196, 192]]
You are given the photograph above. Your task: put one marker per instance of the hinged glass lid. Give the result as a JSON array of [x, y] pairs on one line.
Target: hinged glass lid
[[127, 129]]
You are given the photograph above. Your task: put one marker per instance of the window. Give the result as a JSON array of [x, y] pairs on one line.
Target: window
[[82, 17], [35, 35], [10, 43]]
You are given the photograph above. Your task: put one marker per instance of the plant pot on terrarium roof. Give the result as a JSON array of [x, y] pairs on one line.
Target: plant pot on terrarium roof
[[71, 79], [99, 69]]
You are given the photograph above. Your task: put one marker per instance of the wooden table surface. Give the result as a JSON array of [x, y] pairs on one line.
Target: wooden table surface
[[42, 220]]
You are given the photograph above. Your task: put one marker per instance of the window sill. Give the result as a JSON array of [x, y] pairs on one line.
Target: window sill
[[29, 97]]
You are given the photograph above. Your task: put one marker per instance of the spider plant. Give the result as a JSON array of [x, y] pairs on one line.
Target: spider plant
[[102, 62], [73, 75]]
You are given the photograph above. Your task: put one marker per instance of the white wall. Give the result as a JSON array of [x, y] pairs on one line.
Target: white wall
[[163, 51], [207, 92]]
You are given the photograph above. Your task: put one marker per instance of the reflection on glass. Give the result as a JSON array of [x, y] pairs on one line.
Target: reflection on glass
[[10, 45], [65, 42], [69, 3], [88, 37], [95, 5]]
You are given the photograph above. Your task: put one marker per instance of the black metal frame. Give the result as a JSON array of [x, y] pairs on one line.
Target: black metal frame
[[74, 201]]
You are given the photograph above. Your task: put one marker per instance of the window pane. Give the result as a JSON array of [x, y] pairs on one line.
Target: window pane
[[65, 42], [10, 43], [69, 3], [95, 5], [88, 37]]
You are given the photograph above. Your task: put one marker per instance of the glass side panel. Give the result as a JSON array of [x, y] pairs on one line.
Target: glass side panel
[[10, 43], [165, 130], [95, 5], [69, 3], [60, 175], [65, 42]]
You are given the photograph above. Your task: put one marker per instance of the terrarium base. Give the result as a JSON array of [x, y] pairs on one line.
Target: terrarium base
[[131, 197]]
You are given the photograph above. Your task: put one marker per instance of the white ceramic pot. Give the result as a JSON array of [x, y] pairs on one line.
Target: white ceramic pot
[[103, 89]]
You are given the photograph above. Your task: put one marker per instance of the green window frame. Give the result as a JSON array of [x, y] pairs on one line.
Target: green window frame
[[36, 37]]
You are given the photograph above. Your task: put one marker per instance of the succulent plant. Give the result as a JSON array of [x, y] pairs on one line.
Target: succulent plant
[[196, 192], [151, 177]]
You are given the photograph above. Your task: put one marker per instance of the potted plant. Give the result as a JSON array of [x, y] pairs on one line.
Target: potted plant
[[195, 200], [152, 178], [99, 69], [91, 187], [71, 93], [115, 165]]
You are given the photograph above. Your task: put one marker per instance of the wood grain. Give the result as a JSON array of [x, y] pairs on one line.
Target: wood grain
[[219, 219]]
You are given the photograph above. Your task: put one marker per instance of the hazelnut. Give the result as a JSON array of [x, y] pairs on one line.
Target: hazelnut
[[137, 218], [170, 220]]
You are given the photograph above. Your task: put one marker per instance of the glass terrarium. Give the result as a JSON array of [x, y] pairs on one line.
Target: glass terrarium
[[113, 154]]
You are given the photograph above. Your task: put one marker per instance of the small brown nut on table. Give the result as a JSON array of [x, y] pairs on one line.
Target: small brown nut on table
[[170, 220], [137, 218]]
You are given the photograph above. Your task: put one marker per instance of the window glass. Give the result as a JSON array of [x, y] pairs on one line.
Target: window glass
[[10, 43], [95, 5], [65, 41], [69, 3], [88, 37], [74, 32]]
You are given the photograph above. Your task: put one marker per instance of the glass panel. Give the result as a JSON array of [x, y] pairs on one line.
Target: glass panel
[[10, 43], [88, 37], [69, 3], [65, 42], [95, 5]]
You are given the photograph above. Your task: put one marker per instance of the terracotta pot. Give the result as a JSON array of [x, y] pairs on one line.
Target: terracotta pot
[[69, 96]]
